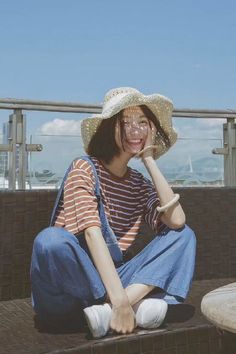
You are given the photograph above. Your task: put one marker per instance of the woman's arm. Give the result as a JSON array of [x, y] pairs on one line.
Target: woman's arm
[[122, 320], [173, 217]]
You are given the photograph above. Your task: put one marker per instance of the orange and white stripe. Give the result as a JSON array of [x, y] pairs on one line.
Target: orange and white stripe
[[128, 201]]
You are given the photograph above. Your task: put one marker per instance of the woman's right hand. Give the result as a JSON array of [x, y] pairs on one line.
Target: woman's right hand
[[122, 318]]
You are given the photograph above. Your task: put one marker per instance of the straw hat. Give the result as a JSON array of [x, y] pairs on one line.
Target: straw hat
[[119, 98]]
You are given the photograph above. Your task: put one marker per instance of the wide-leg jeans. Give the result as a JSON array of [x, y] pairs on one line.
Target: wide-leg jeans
[[63, 274]]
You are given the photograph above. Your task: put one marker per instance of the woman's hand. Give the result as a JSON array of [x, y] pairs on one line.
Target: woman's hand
[[122, 318], [149, 146]]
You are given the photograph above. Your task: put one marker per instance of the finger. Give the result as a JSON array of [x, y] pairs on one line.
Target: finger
[[153, 125], [130, 329], [153, 131], [116, 329]]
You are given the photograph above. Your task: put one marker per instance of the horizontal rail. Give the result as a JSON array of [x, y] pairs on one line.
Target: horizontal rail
[[18, 148], [50, 108], [47, 103], [204, 113], [75, 107]]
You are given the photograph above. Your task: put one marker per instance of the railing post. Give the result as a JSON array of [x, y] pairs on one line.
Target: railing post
[[229, 135], [17, 158], [12, 154]]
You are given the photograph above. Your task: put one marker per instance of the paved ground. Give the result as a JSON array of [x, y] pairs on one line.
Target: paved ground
[[18, 334]]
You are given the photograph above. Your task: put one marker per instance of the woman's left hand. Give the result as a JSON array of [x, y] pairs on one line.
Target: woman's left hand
[[149, 146]]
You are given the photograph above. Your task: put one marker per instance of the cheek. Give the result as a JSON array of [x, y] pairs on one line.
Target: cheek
[[145, 132]]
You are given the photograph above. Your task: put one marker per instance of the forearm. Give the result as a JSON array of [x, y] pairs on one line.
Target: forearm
[[105, 266], [174, 216]]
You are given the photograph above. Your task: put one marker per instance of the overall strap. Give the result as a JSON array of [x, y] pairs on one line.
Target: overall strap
[[61, 189]]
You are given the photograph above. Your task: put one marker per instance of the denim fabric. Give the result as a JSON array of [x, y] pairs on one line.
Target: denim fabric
[[167, 262], [63, 274]]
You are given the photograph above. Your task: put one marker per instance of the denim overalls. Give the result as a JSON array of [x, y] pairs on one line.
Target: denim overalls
[[63, 273]]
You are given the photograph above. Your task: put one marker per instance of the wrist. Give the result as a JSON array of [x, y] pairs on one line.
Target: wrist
[[147, 160], [147, 151], [147, 154], [120, 300]]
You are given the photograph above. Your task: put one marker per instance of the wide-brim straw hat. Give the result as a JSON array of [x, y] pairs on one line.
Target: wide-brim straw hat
[[119, 98]]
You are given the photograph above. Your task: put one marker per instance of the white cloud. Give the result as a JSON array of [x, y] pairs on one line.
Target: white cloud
[[61, 127], [210, 122], [210, 127], [200, 128]]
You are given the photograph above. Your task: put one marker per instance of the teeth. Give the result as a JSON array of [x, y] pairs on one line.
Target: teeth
[[135, 141]]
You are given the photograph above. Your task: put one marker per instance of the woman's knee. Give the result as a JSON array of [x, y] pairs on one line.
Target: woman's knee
[[49, 240], [184, 235]]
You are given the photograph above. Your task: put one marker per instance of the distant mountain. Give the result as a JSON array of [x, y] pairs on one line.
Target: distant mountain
[[200, 170], [193, 172], [206, 164]]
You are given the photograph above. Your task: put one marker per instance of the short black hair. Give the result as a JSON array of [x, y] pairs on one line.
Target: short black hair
[[103, 144]]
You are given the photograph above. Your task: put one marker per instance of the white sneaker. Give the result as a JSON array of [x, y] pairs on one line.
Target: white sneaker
[[98, 318], [150, 313]]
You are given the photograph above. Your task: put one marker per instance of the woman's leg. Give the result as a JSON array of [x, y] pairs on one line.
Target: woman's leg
[[62, 274], [167, 262], [136, 292]]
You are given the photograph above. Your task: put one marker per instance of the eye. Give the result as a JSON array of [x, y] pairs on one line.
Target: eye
[[143, 122]]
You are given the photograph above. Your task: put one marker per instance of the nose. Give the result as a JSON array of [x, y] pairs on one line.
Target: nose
[[134, 129]]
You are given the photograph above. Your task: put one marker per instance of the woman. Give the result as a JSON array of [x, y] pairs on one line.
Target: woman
[[100, 209]]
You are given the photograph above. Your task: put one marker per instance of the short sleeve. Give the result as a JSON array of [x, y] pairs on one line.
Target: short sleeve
[[80, 202]]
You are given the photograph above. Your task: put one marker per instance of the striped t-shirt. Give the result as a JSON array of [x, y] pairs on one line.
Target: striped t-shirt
[[128, 201]]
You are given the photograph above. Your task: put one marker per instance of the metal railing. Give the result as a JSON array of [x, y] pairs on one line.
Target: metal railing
[[18, 148]]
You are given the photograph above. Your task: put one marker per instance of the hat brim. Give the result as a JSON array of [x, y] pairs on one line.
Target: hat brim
[[160, 106]]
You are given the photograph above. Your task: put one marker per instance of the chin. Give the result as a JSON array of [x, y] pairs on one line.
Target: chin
[[133, 151]]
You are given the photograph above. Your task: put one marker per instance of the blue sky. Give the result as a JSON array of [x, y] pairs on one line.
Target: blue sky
[[74, 50]]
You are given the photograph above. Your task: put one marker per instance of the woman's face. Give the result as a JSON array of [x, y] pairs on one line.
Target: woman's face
[[134, 130]]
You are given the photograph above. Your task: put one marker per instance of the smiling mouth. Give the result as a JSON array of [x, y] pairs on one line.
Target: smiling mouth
[[134, 141], [136, 144]]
